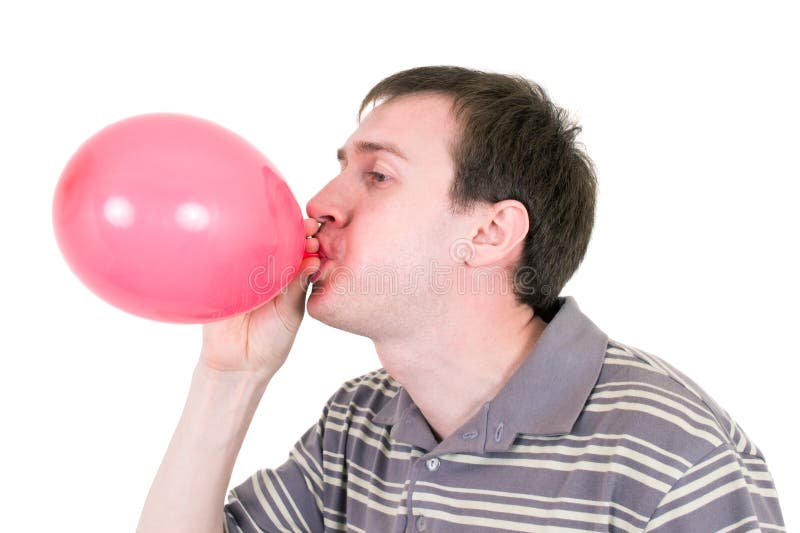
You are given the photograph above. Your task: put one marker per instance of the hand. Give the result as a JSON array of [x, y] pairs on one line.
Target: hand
[[259, 340]]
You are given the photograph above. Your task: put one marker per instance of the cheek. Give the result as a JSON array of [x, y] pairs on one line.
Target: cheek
[[381, 242], [404, 231], [389, 245]]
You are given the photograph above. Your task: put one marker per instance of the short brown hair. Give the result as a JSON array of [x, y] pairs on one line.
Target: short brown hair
[[514, 143]]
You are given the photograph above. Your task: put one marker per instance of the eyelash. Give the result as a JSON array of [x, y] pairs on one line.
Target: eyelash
[[378, 174], [374, 174]]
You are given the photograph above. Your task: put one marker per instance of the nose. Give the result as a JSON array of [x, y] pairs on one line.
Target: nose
[[328, 206]]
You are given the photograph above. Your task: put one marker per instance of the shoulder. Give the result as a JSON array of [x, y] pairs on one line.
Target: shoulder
[[645, 397], [365, 394]]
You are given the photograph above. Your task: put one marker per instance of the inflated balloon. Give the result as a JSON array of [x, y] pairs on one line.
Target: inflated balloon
[[177, 219]]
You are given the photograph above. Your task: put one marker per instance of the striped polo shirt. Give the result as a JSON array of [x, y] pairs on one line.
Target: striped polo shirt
[[588, 434]]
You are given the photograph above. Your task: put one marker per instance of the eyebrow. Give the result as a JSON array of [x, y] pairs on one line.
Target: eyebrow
[[364, 147]]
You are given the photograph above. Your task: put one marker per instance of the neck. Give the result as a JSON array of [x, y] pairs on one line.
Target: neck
[[451, 366]]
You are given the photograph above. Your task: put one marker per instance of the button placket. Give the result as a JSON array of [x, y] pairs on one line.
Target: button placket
[[431, 464]]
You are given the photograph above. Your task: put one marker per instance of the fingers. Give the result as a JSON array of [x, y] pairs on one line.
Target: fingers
[[311, 226], [312, 246]]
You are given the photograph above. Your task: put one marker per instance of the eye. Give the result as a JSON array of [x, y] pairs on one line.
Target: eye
[[378, 177]]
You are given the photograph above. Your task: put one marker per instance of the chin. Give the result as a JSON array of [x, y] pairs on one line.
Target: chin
[[324, 307], [320, 304]]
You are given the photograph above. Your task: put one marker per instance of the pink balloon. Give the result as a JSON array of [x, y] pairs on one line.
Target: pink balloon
[[177, 219]]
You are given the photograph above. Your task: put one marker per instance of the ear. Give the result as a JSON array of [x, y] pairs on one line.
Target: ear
[[504, 227]]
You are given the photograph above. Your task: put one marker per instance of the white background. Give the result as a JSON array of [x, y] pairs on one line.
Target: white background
[[690, 113]]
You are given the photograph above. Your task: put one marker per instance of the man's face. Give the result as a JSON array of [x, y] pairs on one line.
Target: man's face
[[383, 235]]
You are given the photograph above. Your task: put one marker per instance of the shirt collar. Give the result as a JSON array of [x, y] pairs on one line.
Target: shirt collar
[[544, 396]]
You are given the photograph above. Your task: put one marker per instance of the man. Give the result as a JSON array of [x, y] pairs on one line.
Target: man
[[499, 405]]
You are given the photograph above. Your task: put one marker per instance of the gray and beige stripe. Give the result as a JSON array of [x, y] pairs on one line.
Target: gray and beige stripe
[[646, 450]]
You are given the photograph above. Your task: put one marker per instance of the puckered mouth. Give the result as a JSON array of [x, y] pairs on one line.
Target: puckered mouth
[[321, 252]]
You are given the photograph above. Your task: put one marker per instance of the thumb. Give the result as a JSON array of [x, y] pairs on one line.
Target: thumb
[[295, 291]]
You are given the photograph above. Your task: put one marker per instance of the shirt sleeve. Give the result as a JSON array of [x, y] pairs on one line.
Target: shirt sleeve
[[725, 491], [287, 498]]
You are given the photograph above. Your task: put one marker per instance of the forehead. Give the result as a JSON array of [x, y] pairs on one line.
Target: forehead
[[421, 126]]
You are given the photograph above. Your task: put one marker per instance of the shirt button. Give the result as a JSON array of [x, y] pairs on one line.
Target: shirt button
[[421, 523], [432, 464], [469, 435]]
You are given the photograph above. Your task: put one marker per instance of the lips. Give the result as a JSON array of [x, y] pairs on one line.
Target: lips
[[322, 260], [321, 252]]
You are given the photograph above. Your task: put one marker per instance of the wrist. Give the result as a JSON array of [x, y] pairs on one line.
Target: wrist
[[225, 401], [233, 376]]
